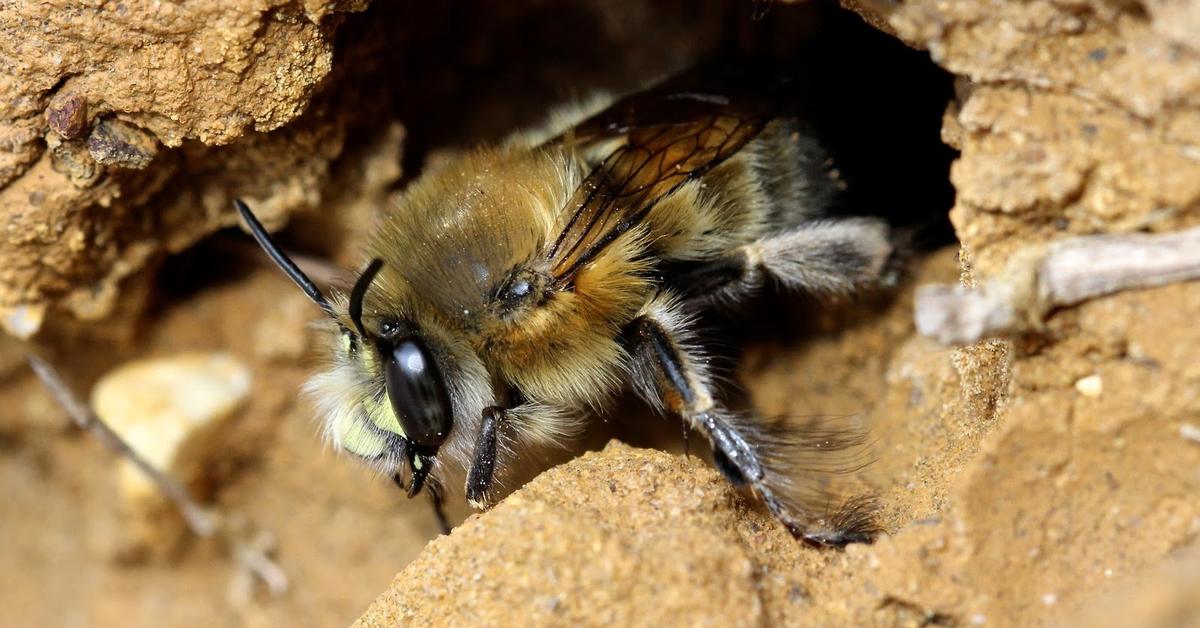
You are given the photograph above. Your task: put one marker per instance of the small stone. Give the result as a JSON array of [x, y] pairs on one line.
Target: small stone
[[1090, 386], [115, 143], [175, 413], [73, 160], [23, 321], [1190, 431], [67, 115]]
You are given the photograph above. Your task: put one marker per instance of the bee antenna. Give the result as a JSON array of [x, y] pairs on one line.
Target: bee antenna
[[359, 291], [281, 259]]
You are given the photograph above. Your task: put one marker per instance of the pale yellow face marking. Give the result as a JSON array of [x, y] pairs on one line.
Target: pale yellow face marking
[[358, 440], [369, 359], [379, 411], [382, 415]]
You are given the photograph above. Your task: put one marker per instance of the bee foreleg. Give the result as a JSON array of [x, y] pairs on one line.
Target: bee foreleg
[[821, 257], [788, 467], [435, 500], [506, 432], [483, 465]]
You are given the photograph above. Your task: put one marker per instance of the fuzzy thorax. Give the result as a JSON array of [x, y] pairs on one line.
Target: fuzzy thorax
[[456, 240]]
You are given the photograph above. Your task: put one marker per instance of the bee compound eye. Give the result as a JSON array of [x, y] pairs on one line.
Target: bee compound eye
[[417, 393]]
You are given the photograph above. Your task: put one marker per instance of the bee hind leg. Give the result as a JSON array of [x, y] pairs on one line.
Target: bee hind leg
[[789, 467], [822, 257]]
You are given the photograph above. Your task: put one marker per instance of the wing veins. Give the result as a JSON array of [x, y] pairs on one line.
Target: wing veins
[[611, 196], [608, 163], [687, 176], [667, 138]]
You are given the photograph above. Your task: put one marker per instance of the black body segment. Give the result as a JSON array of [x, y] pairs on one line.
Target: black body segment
[[703, 279], [483, 466], [359, 291], [656, 349], [435, 503], [281, 259], [416, 391]]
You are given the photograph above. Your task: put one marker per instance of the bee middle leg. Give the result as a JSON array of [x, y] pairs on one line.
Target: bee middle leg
[[669, 374], [780, 468], [833, 256]]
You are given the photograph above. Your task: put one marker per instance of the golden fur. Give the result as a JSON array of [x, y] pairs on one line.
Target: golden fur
[[465, 228]]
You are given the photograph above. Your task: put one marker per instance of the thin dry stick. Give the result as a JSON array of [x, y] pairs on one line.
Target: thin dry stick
[[1062, 274], [201, 521]]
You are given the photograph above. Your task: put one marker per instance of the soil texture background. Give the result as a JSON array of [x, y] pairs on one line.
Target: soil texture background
[[1046, 479]]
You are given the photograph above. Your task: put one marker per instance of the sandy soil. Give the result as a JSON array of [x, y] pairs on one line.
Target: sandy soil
[[1011, 493]]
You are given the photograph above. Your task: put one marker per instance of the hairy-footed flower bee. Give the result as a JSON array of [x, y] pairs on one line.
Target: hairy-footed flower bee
[[519, 288]]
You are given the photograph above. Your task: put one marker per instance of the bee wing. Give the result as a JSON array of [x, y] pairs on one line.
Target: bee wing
[[666, 137], [746, 89]]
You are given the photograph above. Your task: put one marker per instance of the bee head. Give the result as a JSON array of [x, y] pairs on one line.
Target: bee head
[[417, 416], [415, 388]]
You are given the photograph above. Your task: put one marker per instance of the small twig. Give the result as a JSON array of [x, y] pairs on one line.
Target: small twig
[[204, 523], [1062, 274], [252, 554]]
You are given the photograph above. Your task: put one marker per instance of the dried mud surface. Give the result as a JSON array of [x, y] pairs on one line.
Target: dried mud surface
[[109, 112], [1012, 493]]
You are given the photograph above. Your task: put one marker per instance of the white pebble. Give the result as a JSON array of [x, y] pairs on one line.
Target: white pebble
[[1090, 386], [23, 321], [174, 412]]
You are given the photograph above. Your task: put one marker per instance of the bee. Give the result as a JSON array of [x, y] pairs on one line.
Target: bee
[[519, 288]]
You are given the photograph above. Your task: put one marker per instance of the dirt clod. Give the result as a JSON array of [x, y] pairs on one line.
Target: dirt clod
[[610, 539]]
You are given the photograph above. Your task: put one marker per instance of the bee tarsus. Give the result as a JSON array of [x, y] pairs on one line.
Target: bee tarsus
[[669, 374]]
